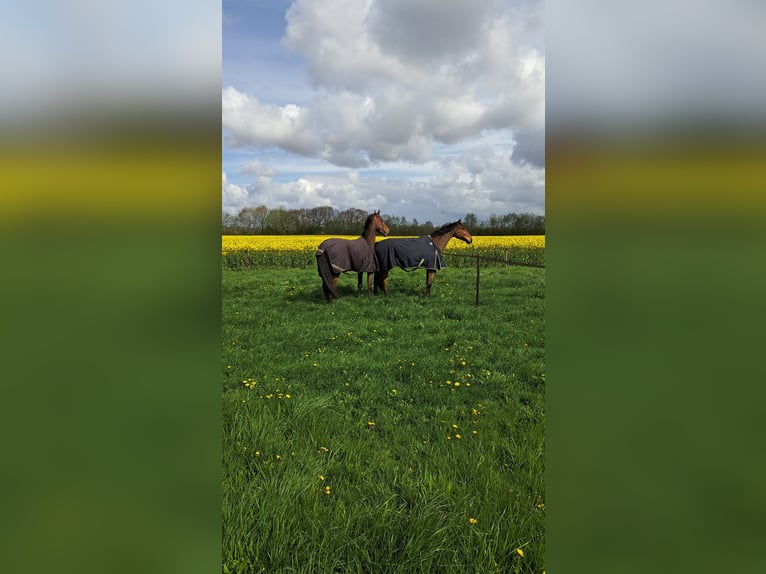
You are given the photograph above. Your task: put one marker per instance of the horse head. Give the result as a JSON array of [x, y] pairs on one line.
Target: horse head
[[380, 225], [462, 233]]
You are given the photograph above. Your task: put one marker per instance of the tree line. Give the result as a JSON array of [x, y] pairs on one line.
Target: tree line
[[261, 220]]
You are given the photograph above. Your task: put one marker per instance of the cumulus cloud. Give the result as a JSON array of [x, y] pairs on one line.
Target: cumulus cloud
[[233, 197], [481, 180], [428, 30], [396, 76], [457, 88], [529, 146], [251, 123]]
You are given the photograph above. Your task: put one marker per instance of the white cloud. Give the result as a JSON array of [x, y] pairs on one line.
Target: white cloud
[[396, 76], [258, 169], [233, 197], [480, 180], [250, 123], [425, 109], [428, 30]]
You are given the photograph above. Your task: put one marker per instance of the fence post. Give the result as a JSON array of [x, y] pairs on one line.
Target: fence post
[[477, 278]]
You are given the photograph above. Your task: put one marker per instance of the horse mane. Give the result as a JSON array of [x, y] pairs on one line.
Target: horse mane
[[368, 224], [446, 228]]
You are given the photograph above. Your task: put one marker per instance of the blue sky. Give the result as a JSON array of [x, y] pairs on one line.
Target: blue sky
[[427, 110]]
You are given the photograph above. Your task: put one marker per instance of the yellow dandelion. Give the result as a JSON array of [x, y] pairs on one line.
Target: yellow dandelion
[[321, 477], [327, 490], [520, 552], [278, 457], [393, 391], [457, 436], [457, 384], [370, 423], [473, 521], [454, 426], [323, 449], [449, 437]]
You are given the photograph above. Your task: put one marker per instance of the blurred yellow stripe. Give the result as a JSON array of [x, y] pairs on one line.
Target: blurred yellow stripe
[[83, 181], [656, 178]]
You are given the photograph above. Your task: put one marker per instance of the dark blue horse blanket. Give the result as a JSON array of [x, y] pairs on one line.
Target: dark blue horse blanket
[[409, 254], [348, 254]]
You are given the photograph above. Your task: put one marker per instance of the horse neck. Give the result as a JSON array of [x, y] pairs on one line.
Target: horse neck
[[369, 235], [440, 241]]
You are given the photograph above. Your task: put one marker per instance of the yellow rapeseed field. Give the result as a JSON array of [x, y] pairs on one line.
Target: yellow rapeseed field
[[235, 243]]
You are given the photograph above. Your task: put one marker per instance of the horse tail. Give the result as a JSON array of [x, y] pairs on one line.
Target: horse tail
[[325, 272]]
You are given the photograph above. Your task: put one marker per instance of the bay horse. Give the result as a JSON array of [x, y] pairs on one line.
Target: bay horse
[[336, 256], [424, 252]]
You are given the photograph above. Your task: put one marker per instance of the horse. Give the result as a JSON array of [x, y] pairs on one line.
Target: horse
[[335, 256], [424, 252]]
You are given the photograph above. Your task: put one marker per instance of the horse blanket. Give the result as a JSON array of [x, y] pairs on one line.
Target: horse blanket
[[409, 254], [348, 254]]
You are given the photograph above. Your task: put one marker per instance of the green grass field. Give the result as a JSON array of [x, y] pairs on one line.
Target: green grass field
[[399, 434]]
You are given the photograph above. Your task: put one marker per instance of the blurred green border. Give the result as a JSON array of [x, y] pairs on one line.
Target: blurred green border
[[654, 322]]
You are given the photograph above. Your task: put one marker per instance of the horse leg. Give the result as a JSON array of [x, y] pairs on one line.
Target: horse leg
[[327, 294], [381, 278], [369, 284], [429, 279], [334, 283], [328, 278], [359, 283]]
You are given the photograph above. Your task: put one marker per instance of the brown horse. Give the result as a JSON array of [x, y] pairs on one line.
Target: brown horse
[[336, 256], [423, 252]]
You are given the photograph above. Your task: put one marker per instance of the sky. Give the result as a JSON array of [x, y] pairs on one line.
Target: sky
[[428, 110]]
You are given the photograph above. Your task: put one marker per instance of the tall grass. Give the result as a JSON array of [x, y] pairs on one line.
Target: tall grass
[[401, 434]]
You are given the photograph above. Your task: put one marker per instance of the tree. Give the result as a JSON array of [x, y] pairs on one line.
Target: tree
[[251, 218], [279, 221], [494, 224], [471, 221], [320, 217], [351, 221], [228, 222]]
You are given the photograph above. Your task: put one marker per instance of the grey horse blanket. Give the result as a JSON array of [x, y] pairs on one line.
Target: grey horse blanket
[[348, 254], [409, 254]]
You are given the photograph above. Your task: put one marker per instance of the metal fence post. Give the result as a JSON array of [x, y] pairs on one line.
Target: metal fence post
[[477, 278]]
